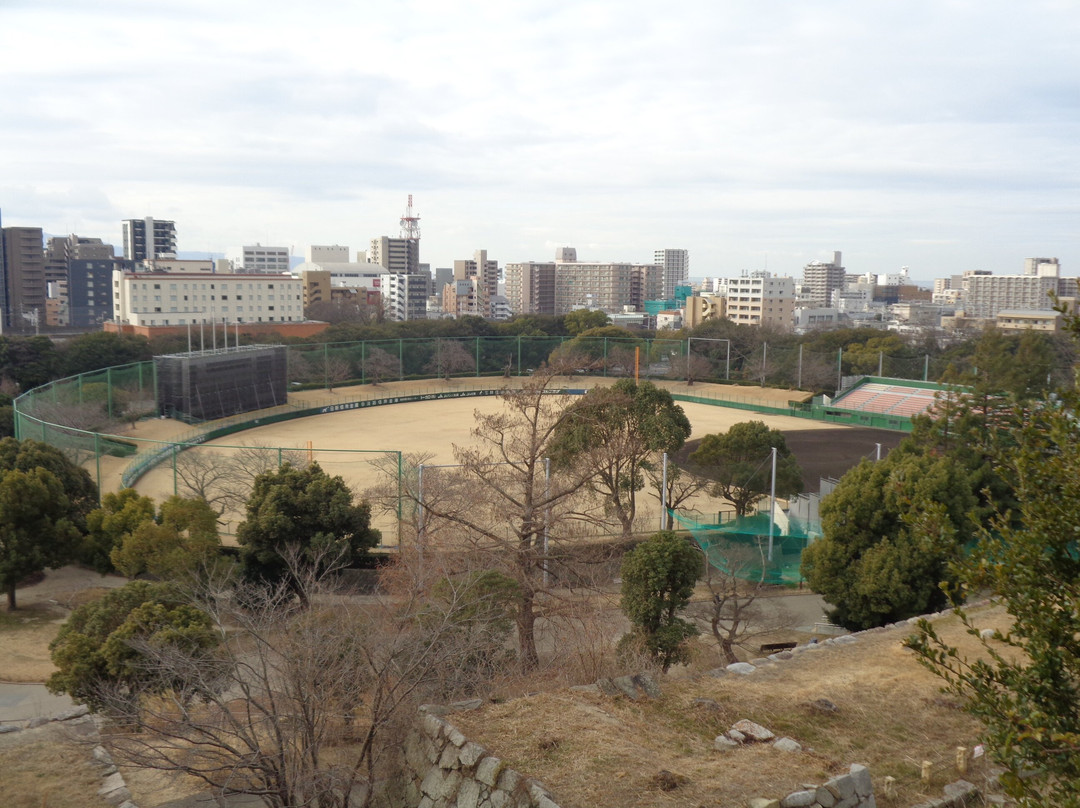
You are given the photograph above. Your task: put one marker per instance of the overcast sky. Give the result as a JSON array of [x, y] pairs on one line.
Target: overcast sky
[[942, 135]]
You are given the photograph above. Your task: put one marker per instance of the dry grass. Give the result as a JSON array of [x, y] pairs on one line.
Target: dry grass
[[594, 751], [50, 771]]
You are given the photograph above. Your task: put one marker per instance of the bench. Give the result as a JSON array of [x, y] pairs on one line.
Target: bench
[[773, 647]]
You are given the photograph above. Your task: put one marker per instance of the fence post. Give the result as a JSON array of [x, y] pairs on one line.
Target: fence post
[[605, 356], [326, 364], [798, 385], [400, 360], [108, 382], [477, 356], [97, 457], [880, 362], [839, 369], [519, 353], [961, 759], [926, 368], [363, 361], [925, 771]]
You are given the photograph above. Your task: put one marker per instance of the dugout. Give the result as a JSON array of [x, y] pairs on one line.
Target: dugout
[[205, 385]]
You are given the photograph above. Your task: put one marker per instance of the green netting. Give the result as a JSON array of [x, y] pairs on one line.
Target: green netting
[[741, 546]]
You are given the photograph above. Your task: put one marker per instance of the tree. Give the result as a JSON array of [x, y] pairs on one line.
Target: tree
[[450, 357], [303, 511], [36, 526], [379, 366], [738, 462], [658, 578], [733, 613], [891, 529], [121, 512], [500, 506], [97, 651], [182, 541], [580, 320], [616, 433], [78, 485], [1024, 686], [299, 708]]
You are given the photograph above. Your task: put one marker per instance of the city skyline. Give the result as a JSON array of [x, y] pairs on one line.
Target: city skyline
[[938, 137]]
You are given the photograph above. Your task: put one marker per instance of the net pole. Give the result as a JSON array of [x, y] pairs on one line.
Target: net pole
[[663, 496], [772, 503]]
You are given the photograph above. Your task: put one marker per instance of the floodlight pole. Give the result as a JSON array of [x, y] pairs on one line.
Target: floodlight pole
[[772, 504]]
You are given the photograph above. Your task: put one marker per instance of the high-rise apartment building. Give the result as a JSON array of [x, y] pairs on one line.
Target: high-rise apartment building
[[486, 274], [985, 295], [405, 295], [820, 280], [761, 299], [676, 264], [396, 254], [530, 287], [22, 278], [149, 238]]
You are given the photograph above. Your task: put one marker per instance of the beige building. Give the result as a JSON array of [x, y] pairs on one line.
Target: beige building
[[396, 254], [606, 286], [183, 298], [530, 287], [761, 299], [486, 274], [1029, 320], [701, 308]]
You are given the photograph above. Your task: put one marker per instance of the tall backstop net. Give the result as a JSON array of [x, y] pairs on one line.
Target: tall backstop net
[[206, 385]]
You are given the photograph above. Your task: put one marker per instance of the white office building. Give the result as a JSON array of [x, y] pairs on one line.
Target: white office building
[[676, 264]]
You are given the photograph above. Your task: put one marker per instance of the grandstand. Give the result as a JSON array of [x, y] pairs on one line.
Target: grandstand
[[895, 397]]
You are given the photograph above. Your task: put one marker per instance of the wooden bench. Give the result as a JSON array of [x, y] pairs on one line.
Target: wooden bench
[[773, 647]]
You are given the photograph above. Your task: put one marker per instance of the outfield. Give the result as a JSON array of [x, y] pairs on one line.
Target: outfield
[[347, 442]]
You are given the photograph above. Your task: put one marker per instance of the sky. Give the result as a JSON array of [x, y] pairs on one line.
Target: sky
[[941, 135]]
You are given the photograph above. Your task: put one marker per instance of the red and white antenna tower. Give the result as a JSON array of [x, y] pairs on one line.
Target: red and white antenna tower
[[410, 224]]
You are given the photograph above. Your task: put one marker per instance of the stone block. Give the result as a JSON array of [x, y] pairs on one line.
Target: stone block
[[537, 790], [434, 709], [961, 790], [432, 781], [798, 799], [716, 673], [648, 685], [75, 712], [845, 639], [585, 688], [762, 802], [454, 736], [500, 799], [449, 758], [741, 667], [825, 798], [860, 776], [488, 771], [842, 787], [607, 687], [470, 754], [38, 721], [736, 736], [468, 704], [509, 781], [468, 795], [127, 804], [6, 728], [781, 655], [721, 743], [546, 802], [102, 756], [433, 725], [755, 732], [788, 745], [757, 662], [447, 789], [626, 687]]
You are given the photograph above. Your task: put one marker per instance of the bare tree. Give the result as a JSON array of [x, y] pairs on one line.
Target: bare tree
[[300, 708], [336, 369], [225, 479], [734, 611], [450, 357], [380, 366], [695, 368], [501, 505], [681, 485]]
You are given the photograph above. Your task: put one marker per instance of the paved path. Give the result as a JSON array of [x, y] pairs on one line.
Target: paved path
[[19, 702]]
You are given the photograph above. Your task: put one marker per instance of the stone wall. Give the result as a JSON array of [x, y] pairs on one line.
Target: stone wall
[[442, 769]]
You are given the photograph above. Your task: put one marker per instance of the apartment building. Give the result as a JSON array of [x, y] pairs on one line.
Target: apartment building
[[530, 287], [676, 266], [183, 298], [405, 295], [22, 279], [820, 280], [396, 254], [486, 274], [761, 299], [149, 238]]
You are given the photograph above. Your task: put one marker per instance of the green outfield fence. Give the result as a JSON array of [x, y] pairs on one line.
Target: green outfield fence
[[83, 415]]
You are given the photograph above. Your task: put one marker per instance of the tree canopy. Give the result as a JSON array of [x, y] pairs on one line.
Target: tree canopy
[[658, 578], [36, 526], [891, 529], [1024, 686], [306, 513], [27, 455], [618, 432], [96, 650], [738, 462]]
